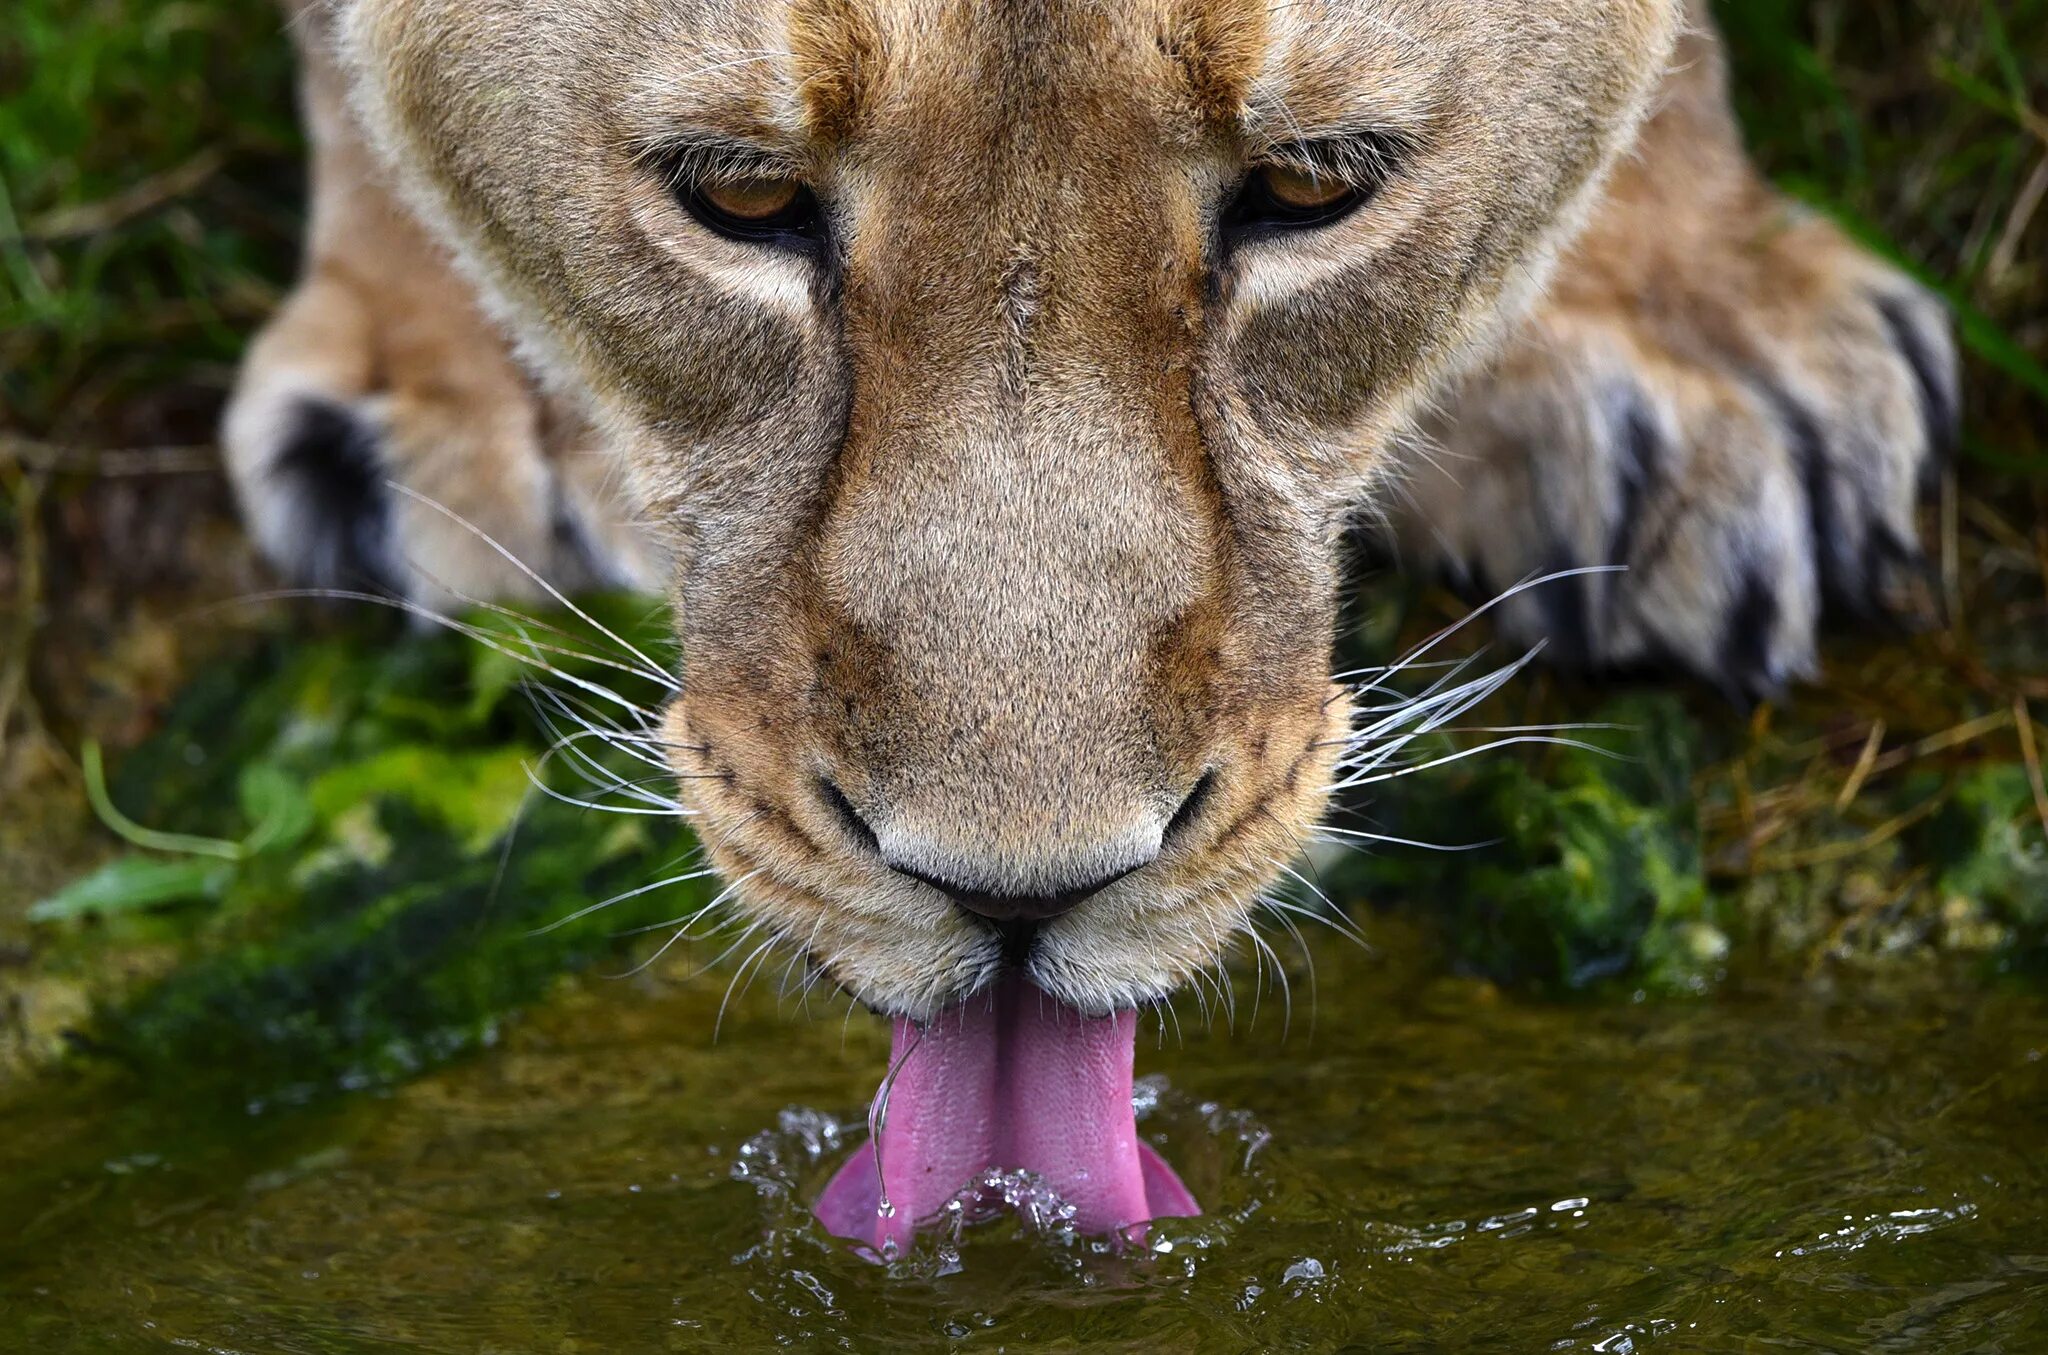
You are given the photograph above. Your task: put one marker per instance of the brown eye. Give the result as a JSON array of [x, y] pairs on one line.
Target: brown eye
[[772, 208], [752, 199], [1283, 197], [1303, 192]]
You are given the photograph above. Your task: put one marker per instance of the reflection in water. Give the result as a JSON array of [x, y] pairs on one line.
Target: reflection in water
[[1893, 1227]]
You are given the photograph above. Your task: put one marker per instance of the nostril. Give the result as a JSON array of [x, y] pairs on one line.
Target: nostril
[[1190, 808], [849, 817]]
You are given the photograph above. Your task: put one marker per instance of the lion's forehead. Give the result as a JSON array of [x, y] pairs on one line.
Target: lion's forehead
[[833, 71], [1008, 68]]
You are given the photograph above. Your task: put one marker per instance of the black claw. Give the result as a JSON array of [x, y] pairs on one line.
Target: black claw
[[1939, 409], [1833, 555], [330, 467], [1748, 674], [1640, 443], [1567, 612], [1846, 583]]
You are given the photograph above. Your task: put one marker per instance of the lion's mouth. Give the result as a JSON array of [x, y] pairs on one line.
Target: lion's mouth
[[1009, 1078]]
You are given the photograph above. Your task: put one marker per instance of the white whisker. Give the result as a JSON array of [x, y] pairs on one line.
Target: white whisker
[[653, 670], [684, 930], [479, 635], [718, 1024], [1344, 836], [588, 909]]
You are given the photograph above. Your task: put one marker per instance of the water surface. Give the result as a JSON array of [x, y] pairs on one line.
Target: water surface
[[1433, 1166]]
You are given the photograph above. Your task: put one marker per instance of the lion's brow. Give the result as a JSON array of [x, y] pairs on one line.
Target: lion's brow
[[1336, 70], [722, 101]]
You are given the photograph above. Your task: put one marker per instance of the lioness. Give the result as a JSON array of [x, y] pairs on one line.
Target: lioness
[[990, 384]]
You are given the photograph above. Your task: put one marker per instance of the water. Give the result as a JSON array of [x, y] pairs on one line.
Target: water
[[1434, 1166]]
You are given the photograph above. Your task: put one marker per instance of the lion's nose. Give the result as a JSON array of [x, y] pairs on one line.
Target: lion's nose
[[1009, 892], [999, 907]]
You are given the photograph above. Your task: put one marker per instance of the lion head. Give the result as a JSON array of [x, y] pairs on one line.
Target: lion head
[[1002, 374]]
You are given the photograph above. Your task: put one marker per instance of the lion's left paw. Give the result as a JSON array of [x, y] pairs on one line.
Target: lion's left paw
[[1747, 440]]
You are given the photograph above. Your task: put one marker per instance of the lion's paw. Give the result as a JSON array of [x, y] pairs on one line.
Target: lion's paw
[[447, 483], [1747, 445]]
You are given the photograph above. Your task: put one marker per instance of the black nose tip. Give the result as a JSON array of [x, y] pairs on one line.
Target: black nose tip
[[1016, 917], [1015, 908]]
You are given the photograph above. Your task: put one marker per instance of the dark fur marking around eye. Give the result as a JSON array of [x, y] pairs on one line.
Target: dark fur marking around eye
[[1363, 160], [688, 164], [332, 469], [798, 227], [1938, 408]]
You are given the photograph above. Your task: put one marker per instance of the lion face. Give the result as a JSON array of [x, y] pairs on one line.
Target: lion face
[[1002, 374]]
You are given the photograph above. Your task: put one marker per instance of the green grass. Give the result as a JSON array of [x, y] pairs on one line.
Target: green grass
[[149, 187]]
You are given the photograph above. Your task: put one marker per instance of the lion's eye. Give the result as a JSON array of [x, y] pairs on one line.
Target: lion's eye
[[1282, 197], [1300, 192], [753, 199], [763, 208]]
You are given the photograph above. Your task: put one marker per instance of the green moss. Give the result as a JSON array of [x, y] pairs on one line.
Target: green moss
[[1591, 868], [1985, 847], [395, 869]]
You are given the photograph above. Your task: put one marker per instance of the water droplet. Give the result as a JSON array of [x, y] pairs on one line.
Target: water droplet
[[1307, 1270]]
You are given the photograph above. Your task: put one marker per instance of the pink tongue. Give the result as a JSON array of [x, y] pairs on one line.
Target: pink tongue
[[1011, 1078]]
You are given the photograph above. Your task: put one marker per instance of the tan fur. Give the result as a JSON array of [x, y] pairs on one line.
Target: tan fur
[[1014, 516]]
